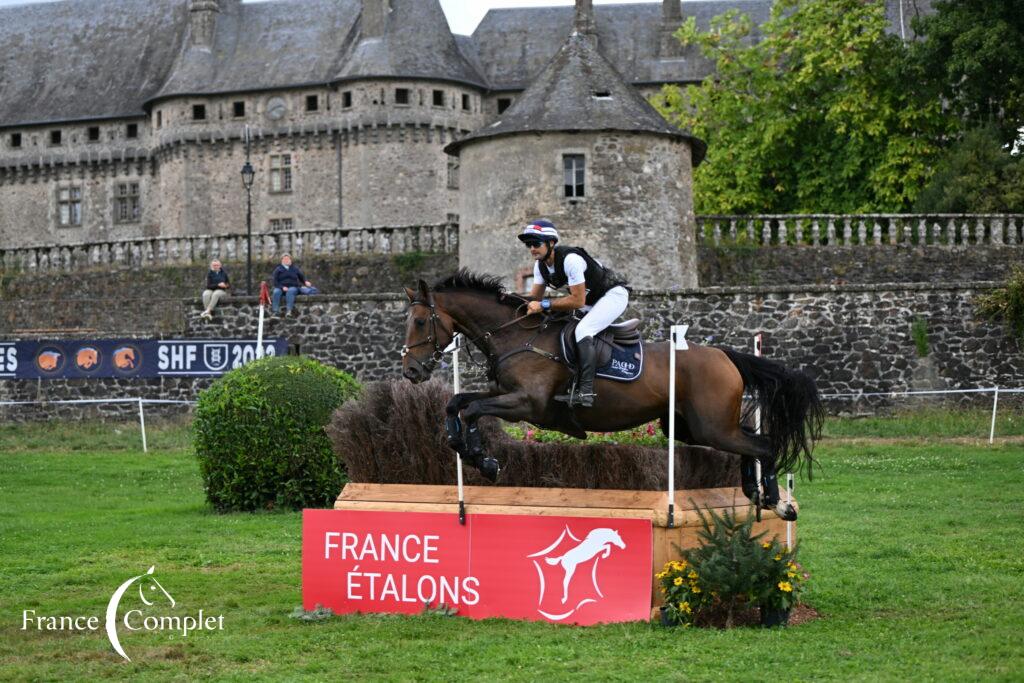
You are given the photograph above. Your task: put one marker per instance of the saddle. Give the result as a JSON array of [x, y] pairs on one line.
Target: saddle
[[619, 349]]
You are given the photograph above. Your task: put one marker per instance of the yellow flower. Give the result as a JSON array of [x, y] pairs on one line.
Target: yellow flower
[[791, 565], [685, 607], [695, 588], [678, 581], [692, 574], [785, 586], [766, 545], [778, 557], [791, 575]]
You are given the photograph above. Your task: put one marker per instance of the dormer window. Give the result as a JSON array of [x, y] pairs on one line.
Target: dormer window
[[503, 104], [602, 95]]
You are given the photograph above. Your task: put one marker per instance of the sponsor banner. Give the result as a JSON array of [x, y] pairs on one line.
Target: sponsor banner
[[78, 359], [575, 570]]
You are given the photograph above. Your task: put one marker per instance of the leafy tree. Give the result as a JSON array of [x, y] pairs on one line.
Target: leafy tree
[[973, 56], [816, 113], [976, 175]]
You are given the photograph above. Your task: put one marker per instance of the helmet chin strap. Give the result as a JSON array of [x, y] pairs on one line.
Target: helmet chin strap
[[547, 254]]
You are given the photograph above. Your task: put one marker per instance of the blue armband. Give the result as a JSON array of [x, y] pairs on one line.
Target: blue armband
[[545, 304]]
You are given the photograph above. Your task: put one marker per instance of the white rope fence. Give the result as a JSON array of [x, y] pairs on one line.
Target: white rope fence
[[81, 401]]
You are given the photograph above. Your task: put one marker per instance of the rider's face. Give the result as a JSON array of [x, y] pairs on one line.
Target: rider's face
[[537, 250]]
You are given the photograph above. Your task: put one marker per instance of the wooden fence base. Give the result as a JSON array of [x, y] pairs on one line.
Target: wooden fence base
[[499, 500]]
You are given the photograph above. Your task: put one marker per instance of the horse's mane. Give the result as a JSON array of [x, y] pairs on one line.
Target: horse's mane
[[465, 279]]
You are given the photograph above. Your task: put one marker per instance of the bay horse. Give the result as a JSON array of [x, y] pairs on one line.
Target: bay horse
[[526, 370]]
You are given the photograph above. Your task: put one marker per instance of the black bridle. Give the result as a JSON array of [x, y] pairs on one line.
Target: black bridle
[[435, 321], [438, 354]]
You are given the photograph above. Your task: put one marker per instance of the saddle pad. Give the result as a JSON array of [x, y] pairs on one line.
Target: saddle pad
[[625, 365]]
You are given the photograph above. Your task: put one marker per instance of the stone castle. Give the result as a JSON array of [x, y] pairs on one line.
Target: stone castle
[[129, 118]]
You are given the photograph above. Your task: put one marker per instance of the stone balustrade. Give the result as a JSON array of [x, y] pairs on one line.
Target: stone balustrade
[[844, 230], [157, 251]]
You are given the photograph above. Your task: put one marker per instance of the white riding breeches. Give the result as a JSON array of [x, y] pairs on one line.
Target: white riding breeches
[[603, 313]]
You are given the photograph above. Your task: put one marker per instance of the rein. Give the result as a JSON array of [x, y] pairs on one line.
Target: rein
[[438, 354]]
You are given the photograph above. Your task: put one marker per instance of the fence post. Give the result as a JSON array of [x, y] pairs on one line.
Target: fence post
[[142, 425], [995, 404], [677, 342], [456, 382]]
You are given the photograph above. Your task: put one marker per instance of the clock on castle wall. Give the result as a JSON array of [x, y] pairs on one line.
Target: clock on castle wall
[[276, 108]]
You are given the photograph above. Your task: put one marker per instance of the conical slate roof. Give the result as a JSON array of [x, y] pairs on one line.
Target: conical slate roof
[[579, 90], [417, 43]]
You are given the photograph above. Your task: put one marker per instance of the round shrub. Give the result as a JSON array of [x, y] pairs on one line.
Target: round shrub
[[259, 434]]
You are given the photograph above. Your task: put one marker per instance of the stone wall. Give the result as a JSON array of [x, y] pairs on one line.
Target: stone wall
[[853, 338], [770, 266]]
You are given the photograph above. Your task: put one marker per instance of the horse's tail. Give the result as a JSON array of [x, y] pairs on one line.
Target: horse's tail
[[791, 410]]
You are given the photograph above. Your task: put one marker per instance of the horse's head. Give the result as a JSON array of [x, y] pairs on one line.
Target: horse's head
[[428, 331]]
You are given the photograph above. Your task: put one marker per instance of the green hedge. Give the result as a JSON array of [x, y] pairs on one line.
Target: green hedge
[[259, 435]]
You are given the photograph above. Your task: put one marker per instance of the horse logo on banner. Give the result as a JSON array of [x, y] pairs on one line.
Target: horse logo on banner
[[573, 557]]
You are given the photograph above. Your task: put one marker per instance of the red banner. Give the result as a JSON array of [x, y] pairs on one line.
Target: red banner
[[577, 570]]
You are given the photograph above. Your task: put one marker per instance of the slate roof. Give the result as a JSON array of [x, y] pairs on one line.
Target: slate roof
[[515, 44], [580, 90], [85, 59], [416, 44]]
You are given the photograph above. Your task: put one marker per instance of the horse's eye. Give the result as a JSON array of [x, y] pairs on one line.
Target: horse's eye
[[420, 322]]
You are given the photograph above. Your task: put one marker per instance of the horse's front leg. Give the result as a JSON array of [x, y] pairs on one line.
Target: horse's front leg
[[512, 406], [452, 423]]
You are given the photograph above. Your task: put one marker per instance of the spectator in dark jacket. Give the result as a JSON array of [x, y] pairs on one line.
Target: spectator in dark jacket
[[287, 279], [217, 285]]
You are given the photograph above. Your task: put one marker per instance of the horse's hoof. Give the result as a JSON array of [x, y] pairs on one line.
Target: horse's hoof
[[489, 468], [785, 511]]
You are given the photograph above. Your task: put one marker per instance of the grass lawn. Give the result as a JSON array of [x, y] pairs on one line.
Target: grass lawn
[[916, 548]]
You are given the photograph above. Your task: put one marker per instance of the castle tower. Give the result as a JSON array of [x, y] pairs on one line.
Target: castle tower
[[583, 149]]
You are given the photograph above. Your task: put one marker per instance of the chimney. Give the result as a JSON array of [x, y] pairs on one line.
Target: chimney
[[375, 18], [584, 22], [202, 20], [671, 20]]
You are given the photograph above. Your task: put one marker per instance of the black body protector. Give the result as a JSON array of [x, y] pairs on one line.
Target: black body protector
[[598, 281], [599, 278]]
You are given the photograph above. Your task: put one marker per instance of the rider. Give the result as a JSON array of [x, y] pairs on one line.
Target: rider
[[593, 289]]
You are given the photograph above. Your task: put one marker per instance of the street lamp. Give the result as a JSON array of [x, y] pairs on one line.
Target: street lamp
[[248, 176]]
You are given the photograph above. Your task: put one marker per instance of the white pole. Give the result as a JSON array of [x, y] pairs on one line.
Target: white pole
[[677, 342], [259, 336], [995, 404], [456, 382], [757, 430], [789, 499], [142, 425]]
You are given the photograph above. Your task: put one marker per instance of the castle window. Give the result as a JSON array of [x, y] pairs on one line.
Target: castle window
[[346, 99], [93, 134], [127, 203], [453, 174], [281, 173], [131, 130], [69, 206], [503, 104], [281, 224], [238, 109], [401, 96], [55, 137], [465, 103], [439, 98], [312, 103], [159, 119], [575, 175], [15, 140], [198, 112]]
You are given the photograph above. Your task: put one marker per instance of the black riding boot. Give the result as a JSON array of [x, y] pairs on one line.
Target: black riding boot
[[582, 393]]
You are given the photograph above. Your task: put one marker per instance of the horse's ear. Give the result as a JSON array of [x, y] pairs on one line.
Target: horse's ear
[[411, 294], [424, 290]]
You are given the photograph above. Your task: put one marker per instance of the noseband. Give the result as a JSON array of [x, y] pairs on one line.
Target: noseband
[[438, 354]]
